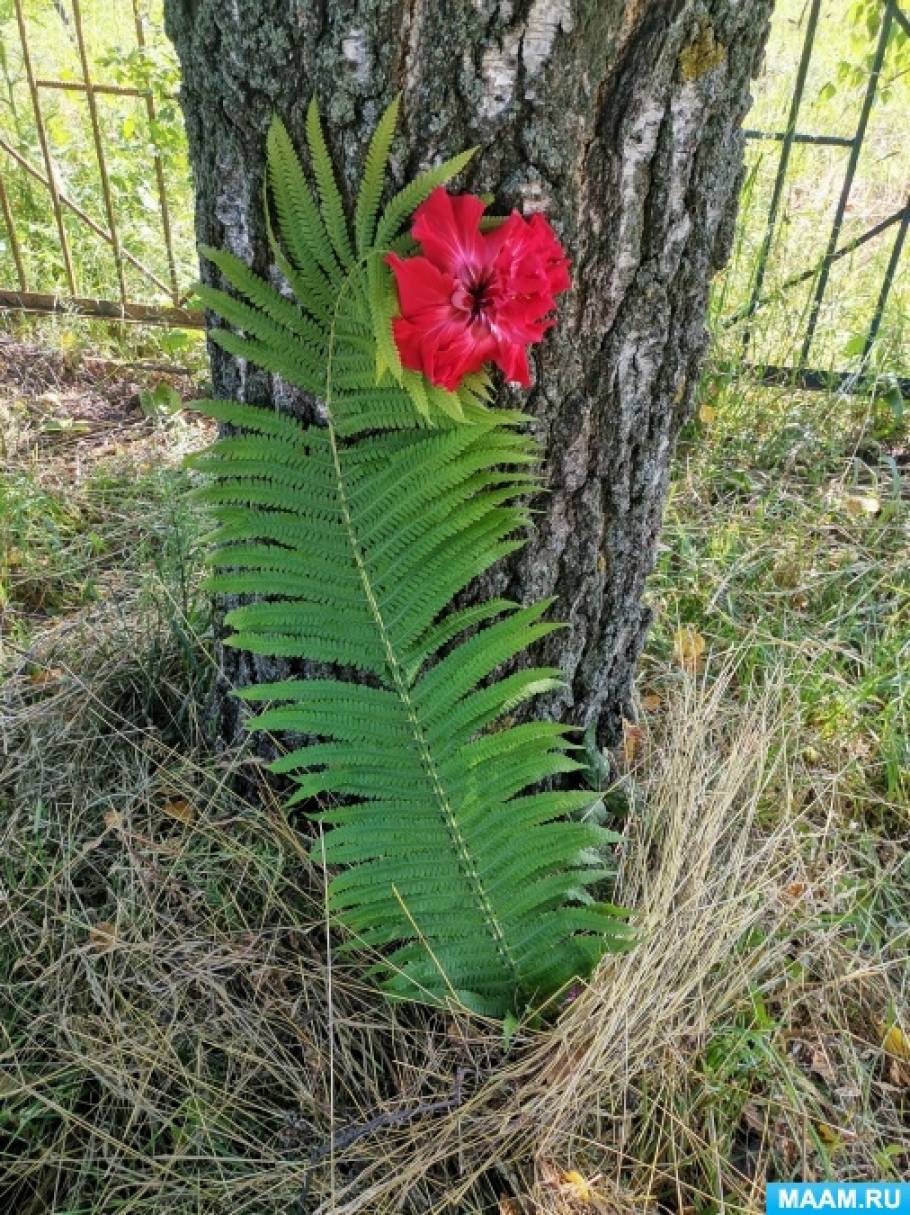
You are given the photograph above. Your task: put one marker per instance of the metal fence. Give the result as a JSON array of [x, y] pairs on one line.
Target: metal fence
[[169, 297], [29, 297], [893, 18]]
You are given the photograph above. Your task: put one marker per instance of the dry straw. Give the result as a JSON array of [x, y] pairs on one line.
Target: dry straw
[[175, 1037]]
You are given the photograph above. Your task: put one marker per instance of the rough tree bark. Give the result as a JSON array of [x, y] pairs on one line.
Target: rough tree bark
[[620, 119]]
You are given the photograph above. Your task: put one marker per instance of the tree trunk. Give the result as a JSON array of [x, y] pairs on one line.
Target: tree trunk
[[620, 119]]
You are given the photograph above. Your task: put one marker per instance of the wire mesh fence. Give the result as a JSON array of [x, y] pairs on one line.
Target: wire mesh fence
[[95, 203]]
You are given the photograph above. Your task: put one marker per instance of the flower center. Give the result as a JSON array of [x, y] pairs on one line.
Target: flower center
[[473, 296]]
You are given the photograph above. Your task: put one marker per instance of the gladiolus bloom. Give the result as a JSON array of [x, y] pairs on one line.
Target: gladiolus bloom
[[475, 297]]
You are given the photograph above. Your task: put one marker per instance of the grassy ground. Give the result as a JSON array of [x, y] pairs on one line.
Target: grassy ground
[[177, 1037], [836, 82]]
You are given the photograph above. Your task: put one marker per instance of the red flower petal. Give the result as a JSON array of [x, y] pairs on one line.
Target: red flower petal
[[513, 360], [448, 228], [420, 284]]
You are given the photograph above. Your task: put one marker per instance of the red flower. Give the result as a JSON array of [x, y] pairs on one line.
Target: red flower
[[475, 297]]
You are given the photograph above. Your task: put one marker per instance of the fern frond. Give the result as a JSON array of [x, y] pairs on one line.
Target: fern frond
[[284, 362], [381, 302], [310, 287], [330, 199], [299, 220], [406, 200], [264, 297], [261, 325], [353, 540], [374, 178]]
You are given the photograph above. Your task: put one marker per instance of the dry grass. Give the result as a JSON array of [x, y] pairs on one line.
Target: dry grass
[[178, 1036]]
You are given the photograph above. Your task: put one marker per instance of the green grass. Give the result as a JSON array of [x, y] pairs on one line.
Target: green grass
[[786, 534], [129, 141], [63, 549], [836, 82], [174, 1033]]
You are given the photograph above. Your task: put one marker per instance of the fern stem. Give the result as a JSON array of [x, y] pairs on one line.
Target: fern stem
[[466, 862]]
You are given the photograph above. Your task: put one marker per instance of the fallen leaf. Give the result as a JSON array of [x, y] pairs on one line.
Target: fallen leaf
[[509, 1206], [862, 504], [103, 936], [550, 1175], [650, 702], [579, 1188], [632, 738], [899, 1073], [40, 678], [689, 648], [180, 809], [829, 1135], [707, 414], [113, 819], [895, 1042], [821, 1064], [8, 1086], [50, 400], [787, 572]]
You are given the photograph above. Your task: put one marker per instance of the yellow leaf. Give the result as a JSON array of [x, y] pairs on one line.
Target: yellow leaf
[[707, 414], [689, 648], [896, 1042], [650, 702], [862, 504], [828, 1134], [632, 739], [180, 809], [40, 679], [580, 1188], [103, 936]]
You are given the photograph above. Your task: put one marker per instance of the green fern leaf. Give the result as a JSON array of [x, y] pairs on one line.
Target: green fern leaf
[[382, 305], [406, 200], [261, 295], [299, 220], [347, 544], [329, 195], [374, 178]]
